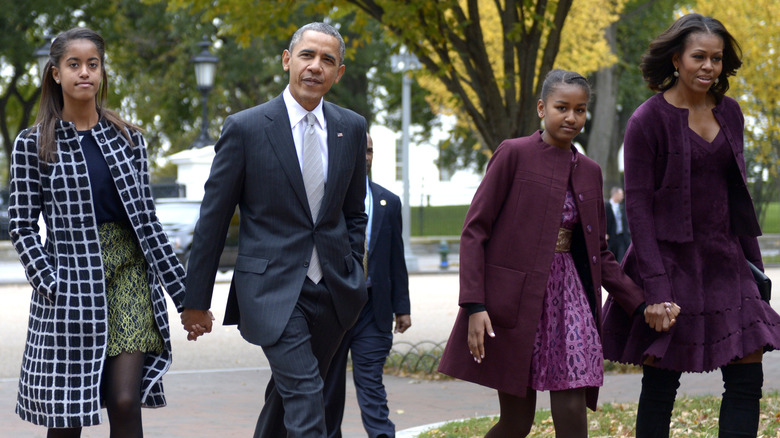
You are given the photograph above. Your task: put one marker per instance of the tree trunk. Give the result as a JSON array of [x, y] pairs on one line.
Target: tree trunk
[[603, 139]]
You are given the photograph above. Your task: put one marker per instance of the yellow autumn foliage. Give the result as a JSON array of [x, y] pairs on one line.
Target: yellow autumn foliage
[[583, 47]]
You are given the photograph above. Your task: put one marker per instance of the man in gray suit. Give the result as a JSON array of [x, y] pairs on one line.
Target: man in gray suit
[[298, 283]]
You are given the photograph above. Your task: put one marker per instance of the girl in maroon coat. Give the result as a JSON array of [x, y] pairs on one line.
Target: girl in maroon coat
[[693, 225], [533, 259]]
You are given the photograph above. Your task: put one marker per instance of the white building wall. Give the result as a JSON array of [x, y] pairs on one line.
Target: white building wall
[[425, 188]]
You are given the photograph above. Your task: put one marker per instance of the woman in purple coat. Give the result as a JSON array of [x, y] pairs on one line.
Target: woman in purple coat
[[533, 259], [693, 225]]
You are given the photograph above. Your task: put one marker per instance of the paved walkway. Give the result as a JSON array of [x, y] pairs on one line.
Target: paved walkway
[[215, 386]]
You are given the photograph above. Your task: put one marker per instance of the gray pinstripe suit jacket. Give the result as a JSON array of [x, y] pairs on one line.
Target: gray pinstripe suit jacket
[[67, 331], [256, 168]]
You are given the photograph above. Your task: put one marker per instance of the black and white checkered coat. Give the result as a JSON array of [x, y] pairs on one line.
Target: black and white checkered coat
[[67, 332]]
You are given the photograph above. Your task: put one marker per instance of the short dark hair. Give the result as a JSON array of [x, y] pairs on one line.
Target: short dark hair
[[657, 66], [322, 28], [557, 76]]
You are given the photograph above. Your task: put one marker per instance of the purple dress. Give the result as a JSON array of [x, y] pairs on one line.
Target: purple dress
[[567, 349], [722, 317]]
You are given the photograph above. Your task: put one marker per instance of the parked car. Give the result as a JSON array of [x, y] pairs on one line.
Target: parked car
[[4, 222], [179, 216], [3, 217]]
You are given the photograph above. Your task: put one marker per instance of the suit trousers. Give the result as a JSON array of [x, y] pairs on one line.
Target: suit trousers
[[294, 405], [370, 348], [618, 244]]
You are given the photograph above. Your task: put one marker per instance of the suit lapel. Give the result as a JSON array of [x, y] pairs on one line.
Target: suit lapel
[[336, 153], [281, 139], [378, 212]]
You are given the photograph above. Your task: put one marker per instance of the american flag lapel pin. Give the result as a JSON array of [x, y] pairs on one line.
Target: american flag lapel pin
[[339, 135]]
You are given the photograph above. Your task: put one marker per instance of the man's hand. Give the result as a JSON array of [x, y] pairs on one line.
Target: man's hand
[[661, 316], [402, 322], [196, 322], [479, 324]]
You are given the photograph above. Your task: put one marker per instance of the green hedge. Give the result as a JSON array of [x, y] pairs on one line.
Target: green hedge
[[448, 220], [771, 223], [445, 220]]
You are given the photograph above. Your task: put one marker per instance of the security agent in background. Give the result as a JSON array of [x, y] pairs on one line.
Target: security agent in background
[[371, 339], [618, 236]]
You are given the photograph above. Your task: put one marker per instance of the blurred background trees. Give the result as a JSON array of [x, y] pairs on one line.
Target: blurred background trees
[[483, 61]]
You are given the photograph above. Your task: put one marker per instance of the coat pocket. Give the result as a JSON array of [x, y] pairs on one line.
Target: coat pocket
[[349, 262], [503, 290], [251, 264]]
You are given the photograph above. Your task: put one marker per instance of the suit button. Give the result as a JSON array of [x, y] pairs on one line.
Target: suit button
[[590, 229], [305, 264], [580, 196], [594, 260]]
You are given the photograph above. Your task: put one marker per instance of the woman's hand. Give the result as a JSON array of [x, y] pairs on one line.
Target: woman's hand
[[196, 322], [661, 316], [479, 324]]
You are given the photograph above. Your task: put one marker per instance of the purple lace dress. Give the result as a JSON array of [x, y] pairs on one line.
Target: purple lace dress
[[567, 350]]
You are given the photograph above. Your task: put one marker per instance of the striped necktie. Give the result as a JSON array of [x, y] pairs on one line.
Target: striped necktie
[[314, 182]]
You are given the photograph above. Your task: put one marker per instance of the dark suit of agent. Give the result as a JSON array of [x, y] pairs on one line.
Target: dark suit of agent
[[618, 236], [297, 320], [371, 339]]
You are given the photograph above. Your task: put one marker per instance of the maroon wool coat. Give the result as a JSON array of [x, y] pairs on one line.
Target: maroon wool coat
[[506, 251]]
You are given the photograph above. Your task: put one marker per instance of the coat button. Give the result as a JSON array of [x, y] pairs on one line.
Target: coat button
[[594, 259], [305, 264], [580, 196], [590, 229]]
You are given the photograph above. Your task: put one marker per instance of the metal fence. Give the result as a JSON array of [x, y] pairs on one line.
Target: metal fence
[[415, 359]]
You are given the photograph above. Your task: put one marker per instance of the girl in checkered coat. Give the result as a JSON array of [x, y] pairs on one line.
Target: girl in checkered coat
[[98, 329]]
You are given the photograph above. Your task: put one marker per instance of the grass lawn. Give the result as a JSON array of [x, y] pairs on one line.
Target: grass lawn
[[448, 220], [771, 223], [693, 417]]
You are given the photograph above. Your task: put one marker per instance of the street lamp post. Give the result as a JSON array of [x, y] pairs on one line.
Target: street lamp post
[[42, 54], [405, 62], [205, 68]]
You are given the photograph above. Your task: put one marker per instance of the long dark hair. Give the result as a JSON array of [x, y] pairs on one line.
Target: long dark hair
[[657, 67], [52, 100]]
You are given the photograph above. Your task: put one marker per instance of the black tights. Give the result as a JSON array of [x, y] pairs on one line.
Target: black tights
[[739, 409], [656, 401], [570, 416], [121, 390]]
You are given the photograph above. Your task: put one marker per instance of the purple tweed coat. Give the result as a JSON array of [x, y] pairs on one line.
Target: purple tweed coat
[[676, 255]]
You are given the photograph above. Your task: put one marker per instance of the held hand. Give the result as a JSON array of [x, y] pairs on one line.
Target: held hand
[[196, 322], [673, 310], [402, 322], [661, 316], [479, 324]]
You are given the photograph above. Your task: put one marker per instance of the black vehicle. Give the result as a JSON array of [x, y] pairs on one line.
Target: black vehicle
[[3, 218], [178, 218]]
